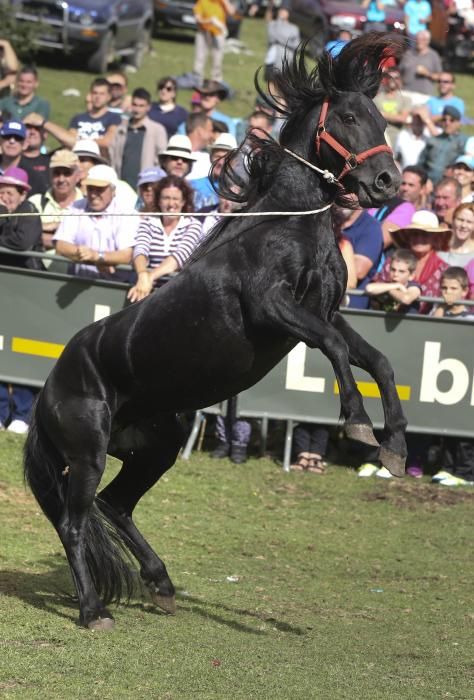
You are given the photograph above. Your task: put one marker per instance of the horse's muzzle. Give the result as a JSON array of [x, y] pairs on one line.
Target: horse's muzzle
[[386, 180]]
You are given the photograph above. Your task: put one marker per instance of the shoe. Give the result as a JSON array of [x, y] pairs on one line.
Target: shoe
[[383, 473], [440, 476], [367, 469], [238, 454], [415, 471], [18, 426], [455, 481], [222, 450]]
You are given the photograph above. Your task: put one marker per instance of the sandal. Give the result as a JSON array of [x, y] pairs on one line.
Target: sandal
[[301, 464], [316, 464]]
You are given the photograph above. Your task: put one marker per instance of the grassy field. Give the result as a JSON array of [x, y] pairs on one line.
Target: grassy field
[[289, 586]]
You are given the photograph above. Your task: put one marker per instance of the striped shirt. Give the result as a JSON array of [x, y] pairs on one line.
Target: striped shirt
[[156, 245]]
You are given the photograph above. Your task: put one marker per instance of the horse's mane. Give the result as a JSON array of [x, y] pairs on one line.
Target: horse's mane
[[249, 170]]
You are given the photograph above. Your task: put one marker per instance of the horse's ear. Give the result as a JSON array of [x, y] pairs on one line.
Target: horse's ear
[[360, 65]]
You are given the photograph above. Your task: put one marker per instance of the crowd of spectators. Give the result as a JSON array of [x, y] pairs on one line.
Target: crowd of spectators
[[134, 167]]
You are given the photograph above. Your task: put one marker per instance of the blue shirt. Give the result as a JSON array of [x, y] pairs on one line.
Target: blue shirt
[[417, 13], [366, 237], [437, 104]]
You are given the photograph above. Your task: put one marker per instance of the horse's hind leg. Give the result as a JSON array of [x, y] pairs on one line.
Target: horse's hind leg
[[140, 471], [361, 354]]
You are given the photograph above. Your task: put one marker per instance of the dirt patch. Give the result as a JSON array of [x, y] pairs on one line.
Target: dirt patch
[[11, 494], [412, 494]]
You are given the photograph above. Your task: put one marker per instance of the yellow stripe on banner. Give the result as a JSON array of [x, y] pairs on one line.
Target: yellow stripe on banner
[[371, 391], [37, 347]]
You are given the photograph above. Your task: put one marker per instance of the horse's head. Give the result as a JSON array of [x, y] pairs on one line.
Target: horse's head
[[332, 120]]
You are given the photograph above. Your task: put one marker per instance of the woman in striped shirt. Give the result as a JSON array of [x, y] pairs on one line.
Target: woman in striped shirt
[[164, 243]]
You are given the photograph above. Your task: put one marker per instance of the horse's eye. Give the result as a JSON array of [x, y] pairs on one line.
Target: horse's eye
[[348, 119]]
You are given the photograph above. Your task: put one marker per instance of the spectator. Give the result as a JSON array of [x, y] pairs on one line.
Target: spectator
[[120, 102], [425, 237], [410, 141], [470, 274], [443, 149], [138, 142], [454, 290], [166, 111], [393, 105], [178, 158], [211, 94], [205, 188], [414, 186], [99, 123], [18, 234], [64, 168], [34, 159], [283, 38], [375, 16], [147, 180], [97, 243], [335, 46], [199, 132], [164, 243], [88, 152], [12, 139], [401, 292], [24, 99], [417, 16], [211, 17], [461, 247], [447, 196], [420, 67], [365, 234], [8, 67], [445, 97], [395, 213], [463, 172]]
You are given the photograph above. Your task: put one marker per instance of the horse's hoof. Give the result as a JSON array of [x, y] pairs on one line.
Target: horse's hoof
[[101, 624], [394, 463], [166, 603], [361, 432]]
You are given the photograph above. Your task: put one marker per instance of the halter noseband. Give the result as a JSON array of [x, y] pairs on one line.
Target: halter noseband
[[352, 160]]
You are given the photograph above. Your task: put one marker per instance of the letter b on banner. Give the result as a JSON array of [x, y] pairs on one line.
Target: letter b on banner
[[432, 368]]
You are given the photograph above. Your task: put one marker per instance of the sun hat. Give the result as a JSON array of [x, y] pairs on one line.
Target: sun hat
[[180, 147], [150, 175], [466, 160], [453, 112], [63, 158], [213, 87], [88, 148], [425, 221], [16, 177], [13, 128], [101, 176], [224, 142]]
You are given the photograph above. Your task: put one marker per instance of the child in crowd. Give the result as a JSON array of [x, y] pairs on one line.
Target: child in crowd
[[454, 289], [400, 293]]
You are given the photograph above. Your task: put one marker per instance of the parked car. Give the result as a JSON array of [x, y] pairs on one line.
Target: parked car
[[98, 30], [321, 20], [180, 15]]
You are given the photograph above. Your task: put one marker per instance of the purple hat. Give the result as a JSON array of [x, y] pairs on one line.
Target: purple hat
[[13, 128], [16, 177]]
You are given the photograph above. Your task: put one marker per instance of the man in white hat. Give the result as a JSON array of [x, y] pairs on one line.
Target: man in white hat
[[104, 236], [64, 173], [206, 197], [178, 157]]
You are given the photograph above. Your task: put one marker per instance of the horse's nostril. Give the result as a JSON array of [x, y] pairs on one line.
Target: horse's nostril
[[383, 180]]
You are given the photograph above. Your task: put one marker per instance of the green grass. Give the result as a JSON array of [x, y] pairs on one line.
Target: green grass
[[346, 588]]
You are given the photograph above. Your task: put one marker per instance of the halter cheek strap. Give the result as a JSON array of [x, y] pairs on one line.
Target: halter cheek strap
[[352, 160]]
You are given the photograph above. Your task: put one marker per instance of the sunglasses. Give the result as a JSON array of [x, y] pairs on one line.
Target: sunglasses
[[448, 119], [117, 85], [445, 81], [13, 137], [168, 88]]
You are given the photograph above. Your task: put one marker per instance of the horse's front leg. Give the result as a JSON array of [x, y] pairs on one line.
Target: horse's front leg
[[393, 449], [284, 313]]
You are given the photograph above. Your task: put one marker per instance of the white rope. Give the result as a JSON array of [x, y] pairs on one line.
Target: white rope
[[54, 215], [327, 175]]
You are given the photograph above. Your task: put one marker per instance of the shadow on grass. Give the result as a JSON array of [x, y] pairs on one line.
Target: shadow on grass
[[48, 592]]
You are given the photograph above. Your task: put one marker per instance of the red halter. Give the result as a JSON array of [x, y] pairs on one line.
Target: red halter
[[352, 160]]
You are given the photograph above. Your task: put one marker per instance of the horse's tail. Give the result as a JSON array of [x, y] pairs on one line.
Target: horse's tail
[[46, 473]]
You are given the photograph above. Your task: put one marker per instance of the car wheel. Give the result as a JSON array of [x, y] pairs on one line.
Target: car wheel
[[105, 54], [141, 47]]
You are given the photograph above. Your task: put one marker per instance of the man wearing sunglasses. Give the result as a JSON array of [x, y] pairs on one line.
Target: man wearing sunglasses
[[445, 97], [12, 139]]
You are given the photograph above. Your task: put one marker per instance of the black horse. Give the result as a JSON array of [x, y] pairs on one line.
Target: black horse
[[254, 289]]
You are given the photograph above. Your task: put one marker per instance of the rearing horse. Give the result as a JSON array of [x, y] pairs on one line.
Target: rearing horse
[[255, 288]]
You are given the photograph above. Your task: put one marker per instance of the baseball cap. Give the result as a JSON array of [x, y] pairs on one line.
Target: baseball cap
[[453, 112], [150, 175], [63, 158], [101, 176], [13, 128], [466, 160], [224, 142]]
